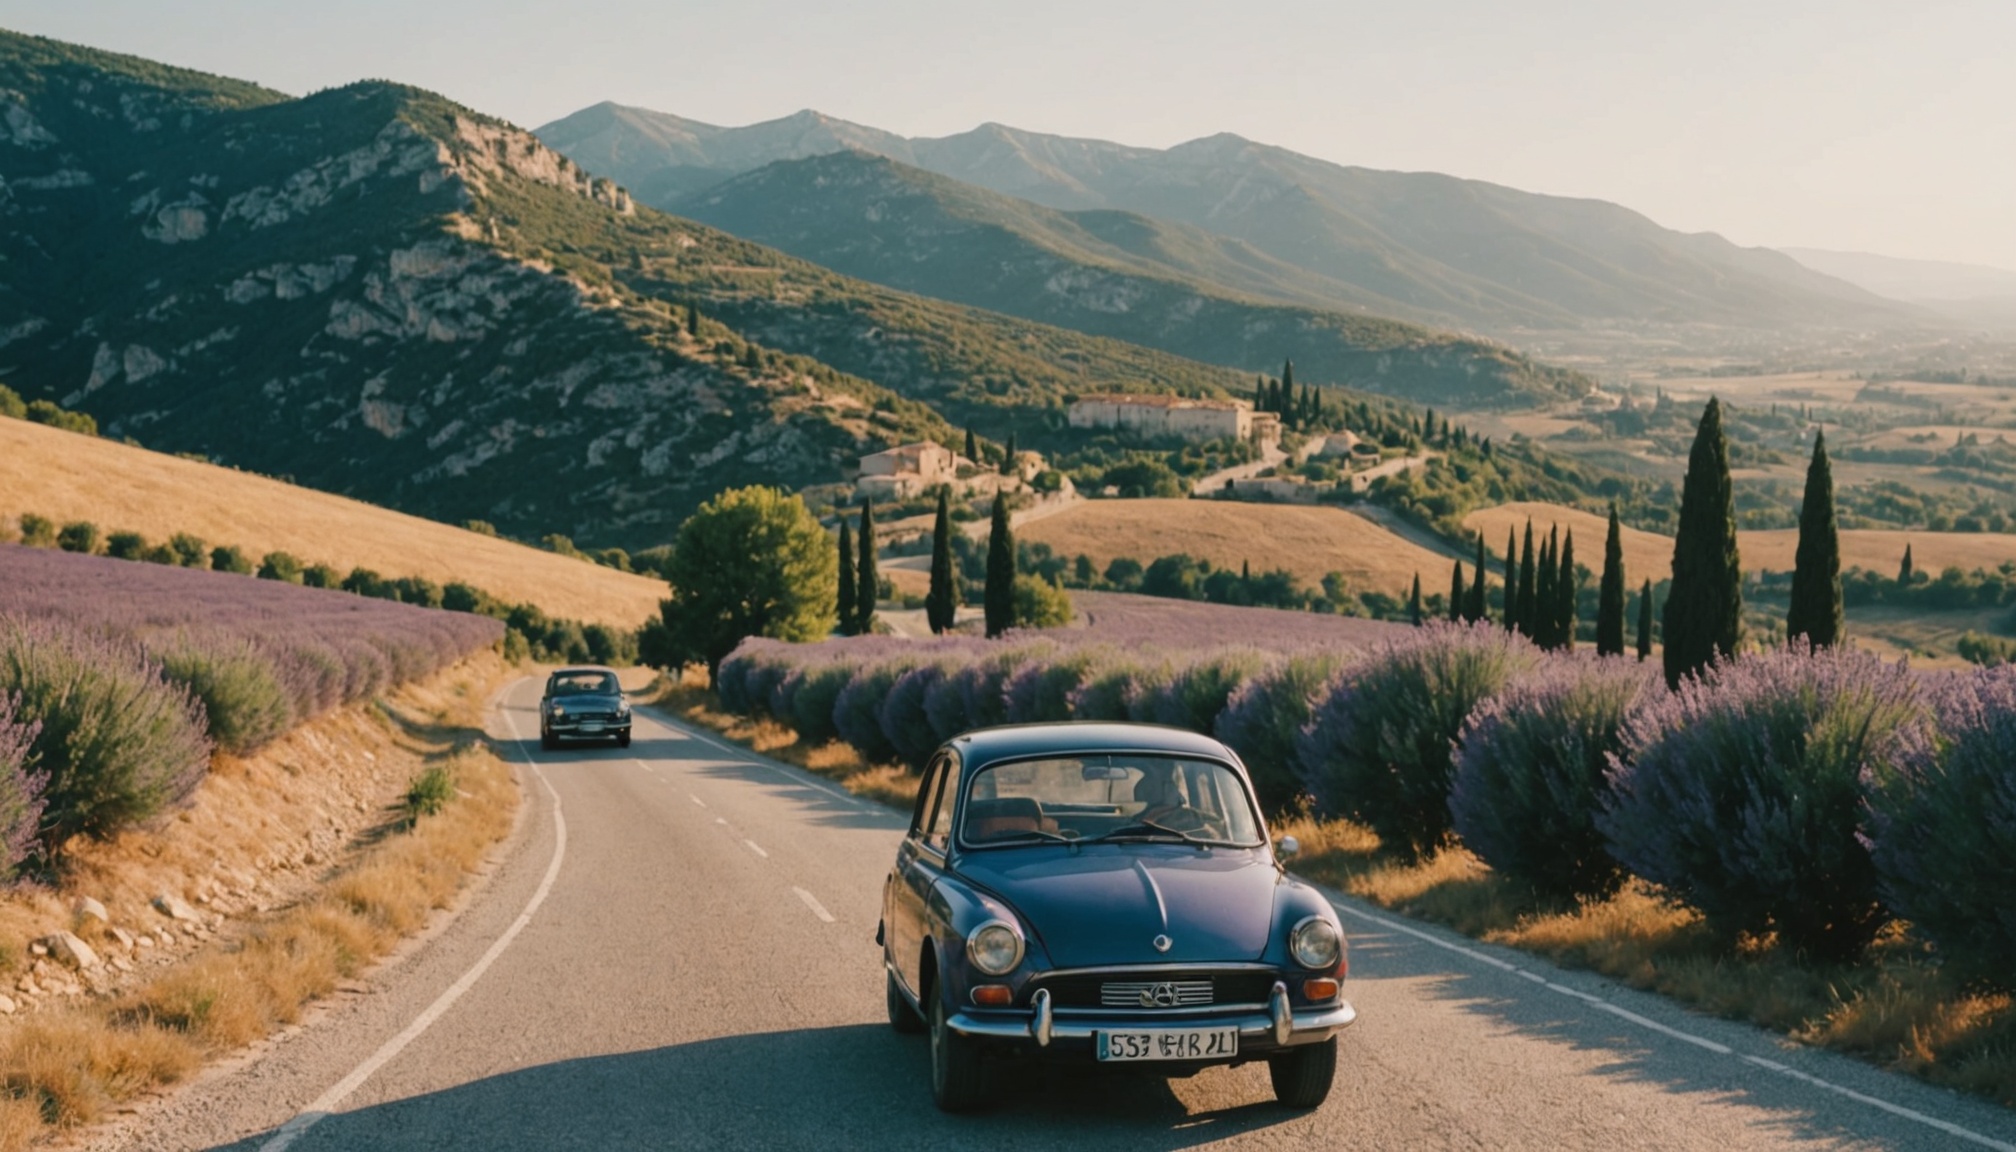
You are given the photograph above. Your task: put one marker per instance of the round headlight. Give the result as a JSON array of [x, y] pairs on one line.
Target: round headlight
[[995, 947], [1316, 943]]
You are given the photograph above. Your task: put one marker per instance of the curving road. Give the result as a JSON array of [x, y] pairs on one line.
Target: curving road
[[675, 952]]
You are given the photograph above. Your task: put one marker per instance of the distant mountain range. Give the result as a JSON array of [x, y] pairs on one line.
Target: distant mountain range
[[1269, 224], [1973, 292]]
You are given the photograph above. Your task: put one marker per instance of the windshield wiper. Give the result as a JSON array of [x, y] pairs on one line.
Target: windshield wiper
[[1142, 829], [1012, 837]]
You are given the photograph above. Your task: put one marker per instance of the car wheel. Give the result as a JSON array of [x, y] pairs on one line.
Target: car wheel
[[547, 740], [1302, 1075], [902, 1017], [955, 1065], [623, 740]]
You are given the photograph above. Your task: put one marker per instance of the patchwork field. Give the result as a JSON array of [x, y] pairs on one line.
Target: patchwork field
[[1648, 555], [1306, 540], [66, 476]]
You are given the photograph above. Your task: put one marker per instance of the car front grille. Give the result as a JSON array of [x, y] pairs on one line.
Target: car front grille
[[1162, 989]]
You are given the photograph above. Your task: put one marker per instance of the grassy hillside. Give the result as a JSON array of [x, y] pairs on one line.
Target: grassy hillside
[[1306, 540], [1119, 274], [65, 476]]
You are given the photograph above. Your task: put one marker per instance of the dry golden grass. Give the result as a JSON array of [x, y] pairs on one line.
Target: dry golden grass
[[65, 477], [1893, 1008], [1649, 556], [61, 1066], [1307, 540]]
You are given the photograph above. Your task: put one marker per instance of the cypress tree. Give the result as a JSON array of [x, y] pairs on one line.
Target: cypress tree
[[941, 604], [1704, 609], [1528, 614], [1610, 601], [1479, 607], [1816, 572], [1645, 622], [1287, 380], [1457, 590], [1000, 596], [871, 584], [1564, 592], [1414, 602], [847, 582], [1905, 571], [1511, 580], [1008, 457], [972, 447], [1545, 605]]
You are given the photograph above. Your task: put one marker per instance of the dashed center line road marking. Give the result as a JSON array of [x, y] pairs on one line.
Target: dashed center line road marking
[[757, 849], [1597, 1002], [719, 820], [817, 908], [696, 800]]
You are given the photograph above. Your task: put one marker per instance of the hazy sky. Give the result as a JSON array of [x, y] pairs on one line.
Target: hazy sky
[[1878, 125]]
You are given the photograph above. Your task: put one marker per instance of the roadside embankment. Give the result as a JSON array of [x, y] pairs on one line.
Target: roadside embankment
[[288, 872]]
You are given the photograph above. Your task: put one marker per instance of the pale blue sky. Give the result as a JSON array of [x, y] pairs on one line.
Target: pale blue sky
[[1881, 125]]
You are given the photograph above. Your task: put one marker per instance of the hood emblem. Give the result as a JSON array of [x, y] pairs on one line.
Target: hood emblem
[[1159, 996], [1161, 943]]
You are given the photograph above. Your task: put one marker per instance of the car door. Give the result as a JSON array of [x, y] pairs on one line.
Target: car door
[[919, 863]]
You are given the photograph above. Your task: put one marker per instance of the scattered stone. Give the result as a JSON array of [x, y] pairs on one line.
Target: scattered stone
[[89, 909], [124, 937], [42, 968], [144, 940], [123, 964], [37, 948], [175, 908], [7, 1005], [65, 946], [25, 985]]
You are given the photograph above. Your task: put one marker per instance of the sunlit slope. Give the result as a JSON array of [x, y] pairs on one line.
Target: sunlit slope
[[65, 476]]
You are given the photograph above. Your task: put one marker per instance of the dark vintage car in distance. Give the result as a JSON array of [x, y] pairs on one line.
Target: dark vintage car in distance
[[1106, 894], [584, 703]]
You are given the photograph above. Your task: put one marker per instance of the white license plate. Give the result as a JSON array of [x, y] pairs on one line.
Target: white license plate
[[591, 726], [1169, 1044]]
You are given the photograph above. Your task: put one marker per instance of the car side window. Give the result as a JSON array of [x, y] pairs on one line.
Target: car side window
[[938, 833], [927, 791]]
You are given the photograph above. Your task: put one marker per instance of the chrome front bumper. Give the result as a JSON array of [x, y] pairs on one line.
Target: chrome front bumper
[[1279, 1026]]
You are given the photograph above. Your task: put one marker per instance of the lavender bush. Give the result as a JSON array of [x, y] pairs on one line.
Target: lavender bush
[[1741, 793], [21, 800], [1943, 829], [1379, 748], [118, 742], [1104, 695], [812, 705], [904, 721], [1263, 718], [857, 711], [1040, 691], [1195, 695], [1530, 774], [245, 705]]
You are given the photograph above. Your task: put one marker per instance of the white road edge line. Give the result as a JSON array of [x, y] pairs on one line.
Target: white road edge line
[[757, 849], [1946, 1126], [812, 902], [324, 1105], [696, 800]]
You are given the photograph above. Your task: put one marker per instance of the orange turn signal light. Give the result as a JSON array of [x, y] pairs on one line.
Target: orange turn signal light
[[1319, 989], [993, 996]]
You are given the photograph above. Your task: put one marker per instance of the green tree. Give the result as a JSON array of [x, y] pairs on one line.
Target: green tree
[[1610, 597], [1040, 604], [230, 558], [868, 589], [280, 566], [750, 562], [1905, 571], [999, 602], [848, 580], [1645, 622], [1546, 601], [972, 447], [190, 551], [1528, 605], [1816, 570], [1008, 455], [1414, 601], [1511, 580], [941, 603], [78, 536], [37, 531], [1457, 590], [1564, 596], [1704, 607], [1479, 606]]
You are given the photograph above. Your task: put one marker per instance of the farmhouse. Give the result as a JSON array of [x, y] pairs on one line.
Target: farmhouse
[[1175, 416], [907, 470]]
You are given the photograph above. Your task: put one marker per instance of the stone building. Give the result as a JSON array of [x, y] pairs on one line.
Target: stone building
[[1178, 416], [907, 470]]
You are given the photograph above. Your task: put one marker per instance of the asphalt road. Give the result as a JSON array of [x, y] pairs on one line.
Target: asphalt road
[[689, 964]]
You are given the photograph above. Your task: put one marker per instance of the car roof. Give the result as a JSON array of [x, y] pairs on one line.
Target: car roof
[[569, 671], [986, 745]]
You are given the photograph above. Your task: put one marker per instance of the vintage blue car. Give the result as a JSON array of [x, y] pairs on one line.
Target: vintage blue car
[[1106, 893]]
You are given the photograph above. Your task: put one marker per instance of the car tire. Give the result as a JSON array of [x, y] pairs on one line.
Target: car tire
[[548, 741], [956, 1074], [1302, 1075], [623, 740], [902, 1017]]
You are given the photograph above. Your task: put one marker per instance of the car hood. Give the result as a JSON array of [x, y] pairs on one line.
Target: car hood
[[1106, 904]]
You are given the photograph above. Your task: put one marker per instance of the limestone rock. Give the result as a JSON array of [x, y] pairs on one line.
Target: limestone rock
[[90, 909], [7, 1005], [176, 908], [124, 938], [71, 950]]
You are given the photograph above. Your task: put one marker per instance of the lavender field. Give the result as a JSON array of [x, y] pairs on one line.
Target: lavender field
[[118, 680]]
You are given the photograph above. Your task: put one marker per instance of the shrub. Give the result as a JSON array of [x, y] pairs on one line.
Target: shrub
[[126, 546], [760, 678], [976, 695], [190, 551], [245, 705], [323, 576], [1104, 695], [280, 566], [11, 403], [1380, 748], [1040, 691], [1741, 793], [429, 792], [857, 710], [1196, 695], [1040, 604], [1943, 829], [20, 789], [812, 704], [46, 412], [119, 744], [37, 531], [230, 558], [1530, 775], [606, 645], [904, 720], [516, 650], [78, 536], [1263, 718]]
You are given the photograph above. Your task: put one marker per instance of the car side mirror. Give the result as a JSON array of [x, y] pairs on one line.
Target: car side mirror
[[1288, 846]]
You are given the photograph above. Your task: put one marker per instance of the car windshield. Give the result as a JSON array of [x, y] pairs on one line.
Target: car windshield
[[582, 684], [1108, 797]]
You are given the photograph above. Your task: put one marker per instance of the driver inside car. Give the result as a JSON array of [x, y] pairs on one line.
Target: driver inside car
[[1160, 791]]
